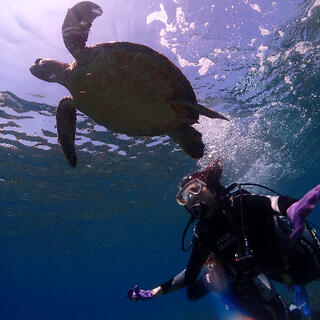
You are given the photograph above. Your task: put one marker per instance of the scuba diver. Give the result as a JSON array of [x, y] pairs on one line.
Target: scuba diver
[[244, 240]]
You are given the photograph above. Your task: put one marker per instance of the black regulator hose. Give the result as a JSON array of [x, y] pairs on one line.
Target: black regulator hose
[[237, 185], [192, 218]]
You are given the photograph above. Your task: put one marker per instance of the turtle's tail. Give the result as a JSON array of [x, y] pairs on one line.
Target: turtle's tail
[[209, 113]]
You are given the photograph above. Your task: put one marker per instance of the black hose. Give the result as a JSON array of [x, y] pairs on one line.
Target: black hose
[[192, 218], [235, 185]]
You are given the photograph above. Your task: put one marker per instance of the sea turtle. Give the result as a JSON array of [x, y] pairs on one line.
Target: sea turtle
[[126, 87]]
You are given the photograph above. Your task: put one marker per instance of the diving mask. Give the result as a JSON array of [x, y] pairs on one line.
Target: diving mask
[[189, 193]]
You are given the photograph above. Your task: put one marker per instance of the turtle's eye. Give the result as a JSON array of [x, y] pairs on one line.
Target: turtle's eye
[[38, 61]]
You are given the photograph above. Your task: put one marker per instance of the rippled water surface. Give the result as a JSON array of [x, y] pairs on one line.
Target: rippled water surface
[[73, 241]]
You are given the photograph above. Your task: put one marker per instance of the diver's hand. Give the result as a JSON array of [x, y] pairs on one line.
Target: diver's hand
[[298, 211], [138, 294]]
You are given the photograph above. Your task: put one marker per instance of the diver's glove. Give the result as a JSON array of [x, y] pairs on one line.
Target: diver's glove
[[298, 211], [138, 294]]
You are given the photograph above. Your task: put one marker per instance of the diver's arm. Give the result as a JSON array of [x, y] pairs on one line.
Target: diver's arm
[[171, 285], [176, 283], [196, 289], [186, 277], [296, 211], [280, 204], [156, 291]]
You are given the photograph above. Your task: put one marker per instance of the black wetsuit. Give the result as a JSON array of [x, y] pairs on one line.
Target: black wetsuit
[[222, 235]]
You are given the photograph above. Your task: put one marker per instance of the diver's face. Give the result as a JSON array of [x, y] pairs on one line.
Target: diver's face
[[194, 193], [210, 198]]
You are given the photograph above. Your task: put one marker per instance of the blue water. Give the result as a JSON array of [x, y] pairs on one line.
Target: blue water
[[73, 241]]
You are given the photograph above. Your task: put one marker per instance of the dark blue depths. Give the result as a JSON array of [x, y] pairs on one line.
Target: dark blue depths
[[73, 241]]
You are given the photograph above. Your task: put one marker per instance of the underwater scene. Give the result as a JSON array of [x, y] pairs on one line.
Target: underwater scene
[[74, 240]]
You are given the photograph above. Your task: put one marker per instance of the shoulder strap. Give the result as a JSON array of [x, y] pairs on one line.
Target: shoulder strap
[[244, 251]]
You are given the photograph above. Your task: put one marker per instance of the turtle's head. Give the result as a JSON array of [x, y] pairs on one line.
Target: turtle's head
[[50, 70]]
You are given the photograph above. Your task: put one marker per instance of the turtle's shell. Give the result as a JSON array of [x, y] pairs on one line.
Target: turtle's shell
[[132, 89]]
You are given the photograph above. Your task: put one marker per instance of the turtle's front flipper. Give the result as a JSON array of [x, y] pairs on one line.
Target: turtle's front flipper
[[66, 125], [189, 139], [77, 24]]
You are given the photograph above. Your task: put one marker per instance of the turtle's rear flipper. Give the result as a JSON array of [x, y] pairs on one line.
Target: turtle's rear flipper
[[66, 125], [77, 24], [189, 139], [209, 113]]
